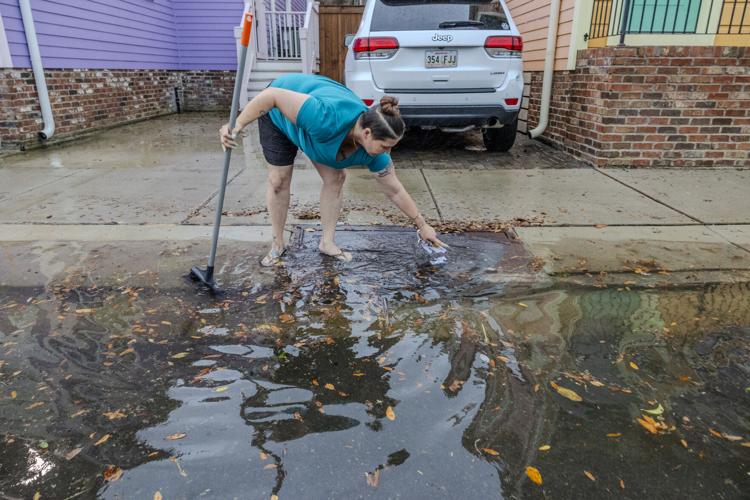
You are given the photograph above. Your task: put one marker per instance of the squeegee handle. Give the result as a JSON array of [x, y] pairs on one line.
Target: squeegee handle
[[239, 80]]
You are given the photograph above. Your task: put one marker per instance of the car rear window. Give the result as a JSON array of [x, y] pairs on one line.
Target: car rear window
[[416, 15]]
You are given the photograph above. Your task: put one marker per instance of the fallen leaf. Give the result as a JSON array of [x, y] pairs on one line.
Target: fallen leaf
[[127, 351], [534, 474], [596, 383], [730, 437], [522, 305], [72, 453], [168, 323], [263, 455], [656, 411], [330, 387], [715, 433], [43, 445], [79, 413], [13, 394], [37, 495], [180, 355], [157, 495], [269, 466], [683, 443], [648, 426], [221, 389], [545, 447], [267, 328], [567, 393], [614, 435], [112, 473], [176, 435], [373, 478], [589, 475], [286, 318], [622, 484], [389, 413], [600, 226], [103, 440], [633, 365], [490, 451], [114, 415], [358, 374], [746, 444], [84, 311], [34, 405], [274, 497]]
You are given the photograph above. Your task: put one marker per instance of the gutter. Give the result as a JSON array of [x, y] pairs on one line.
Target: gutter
[[38, 68], [549, 67]]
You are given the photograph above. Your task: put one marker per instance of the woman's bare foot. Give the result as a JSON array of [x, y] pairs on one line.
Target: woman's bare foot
[[331, 250]]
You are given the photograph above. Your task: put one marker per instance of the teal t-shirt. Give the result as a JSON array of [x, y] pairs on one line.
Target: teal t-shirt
[[324, 120]]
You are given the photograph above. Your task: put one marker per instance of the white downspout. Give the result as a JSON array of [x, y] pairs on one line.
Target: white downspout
[[549, 67], [36, 65]]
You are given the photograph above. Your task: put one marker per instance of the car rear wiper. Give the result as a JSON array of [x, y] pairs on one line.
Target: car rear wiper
[[460, 24]]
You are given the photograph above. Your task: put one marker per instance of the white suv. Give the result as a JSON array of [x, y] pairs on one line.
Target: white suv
[[453, 64]]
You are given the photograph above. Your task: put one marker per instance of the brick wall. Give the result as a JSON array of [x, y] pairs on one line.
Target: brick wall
[[87, 100], [651, 106]]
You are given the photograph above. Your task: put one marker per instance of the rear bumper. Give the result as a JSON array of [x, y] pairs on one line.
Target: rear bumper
[[456, 116]]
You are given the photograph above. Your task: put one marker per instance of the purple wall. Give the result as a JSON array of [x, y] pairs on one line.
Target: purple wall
[[205, 32], [127, 34]]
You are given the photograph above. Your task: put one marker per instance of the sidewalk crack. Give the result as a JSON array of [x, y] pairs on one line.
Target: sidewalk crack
[[200, 207], [652, 198]]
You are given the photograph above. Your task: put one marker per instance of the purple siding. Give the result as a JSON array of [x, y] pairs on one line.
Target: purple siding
[[127, 34], [205, 32]]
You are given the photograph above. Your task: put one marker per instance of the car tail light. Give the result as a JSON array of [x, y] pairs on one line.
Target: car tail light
[[503, 46], [513, 101], [368, 102], [375, 47]]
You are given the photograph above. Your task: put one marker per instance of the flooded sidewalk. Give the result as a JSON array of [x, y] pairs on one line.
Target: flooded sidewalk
[[372, 379]]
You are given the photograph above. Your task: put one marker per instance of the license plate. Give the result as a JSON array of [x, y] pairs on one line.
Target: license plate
[[440, 58]]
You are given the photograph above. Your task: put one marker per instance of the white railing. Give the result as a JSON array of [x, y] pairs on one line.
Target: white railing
[[282, 34], [310, 39]]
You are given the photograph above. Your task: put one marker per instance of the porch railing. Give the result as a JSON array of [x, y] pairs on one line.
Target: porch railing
[[282, 34], [310, 39], [612, 18]]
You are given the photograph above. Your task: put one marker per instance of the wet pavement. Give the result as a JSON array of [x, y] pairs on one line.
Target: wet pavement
[[372, 379]]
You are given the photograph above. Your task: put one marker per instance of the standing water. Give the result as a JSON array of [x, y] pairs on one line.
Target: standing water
[[376, 379]]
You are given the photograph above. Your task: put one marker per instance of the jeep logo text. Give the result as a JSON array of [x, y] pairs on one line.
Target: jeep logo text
[[442, 38]]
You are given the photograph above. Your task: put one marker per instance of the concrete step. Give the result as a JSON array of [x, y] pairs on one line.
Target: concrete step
[[285, 66]]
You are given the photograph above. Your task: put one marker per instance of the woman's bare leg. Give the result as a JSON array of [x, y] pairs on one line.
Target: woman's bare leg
[[331, 195], [277, 200]]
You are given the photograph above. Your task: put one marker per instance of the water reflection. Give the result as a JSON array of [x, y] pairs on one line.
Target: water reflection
[[359, 383]]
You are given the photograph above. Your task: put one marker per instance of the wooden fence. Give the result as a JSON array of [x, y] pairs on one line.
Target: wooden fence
[[335, 23]]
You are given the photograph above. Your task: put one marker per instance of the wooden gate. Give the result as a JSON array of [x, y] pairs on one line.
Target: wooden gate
[[335, 23]]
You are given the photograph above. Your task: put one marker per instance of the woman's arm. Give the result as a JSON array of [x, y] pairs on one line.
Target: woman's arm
[[392, 187], [288, 102]]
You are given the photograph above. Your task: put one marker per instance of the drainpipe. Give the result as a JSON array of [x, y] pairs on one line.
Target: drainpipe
[[36, 65], [549, 67]]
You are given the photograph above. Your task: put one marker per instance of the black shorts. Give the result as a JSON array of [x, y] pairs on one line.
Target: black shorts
[[277, 148]]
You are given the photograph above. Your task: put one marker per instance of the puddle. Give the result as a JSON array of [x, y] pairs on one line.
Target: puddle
[[376, 379]]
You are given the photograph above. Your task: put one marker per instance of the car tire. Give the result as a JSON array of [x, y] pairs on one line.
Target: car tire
[[500, 139]]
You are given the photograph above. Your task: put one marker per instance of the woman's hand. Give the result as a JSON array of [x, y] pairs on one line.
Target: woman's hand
[[427, 233], [228, 139]]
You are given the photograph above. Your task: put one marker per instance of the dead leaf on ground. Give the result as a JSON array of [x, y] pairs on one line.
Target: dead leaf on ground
[[114, 415], [648, 425], [269, 466], [157, 495], [102, 440], [112, 473], [84, 311], [72, 453], [330, 387], [267, 328], [180, 355], [286, 318], [34, 405], [390, 414], [176, 435], [373, 478], [589, 475], [13, 394], [633, 365], [221, 389], [614, 435], [545, 447], [567, 393], [490, 451], [534, 474]]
